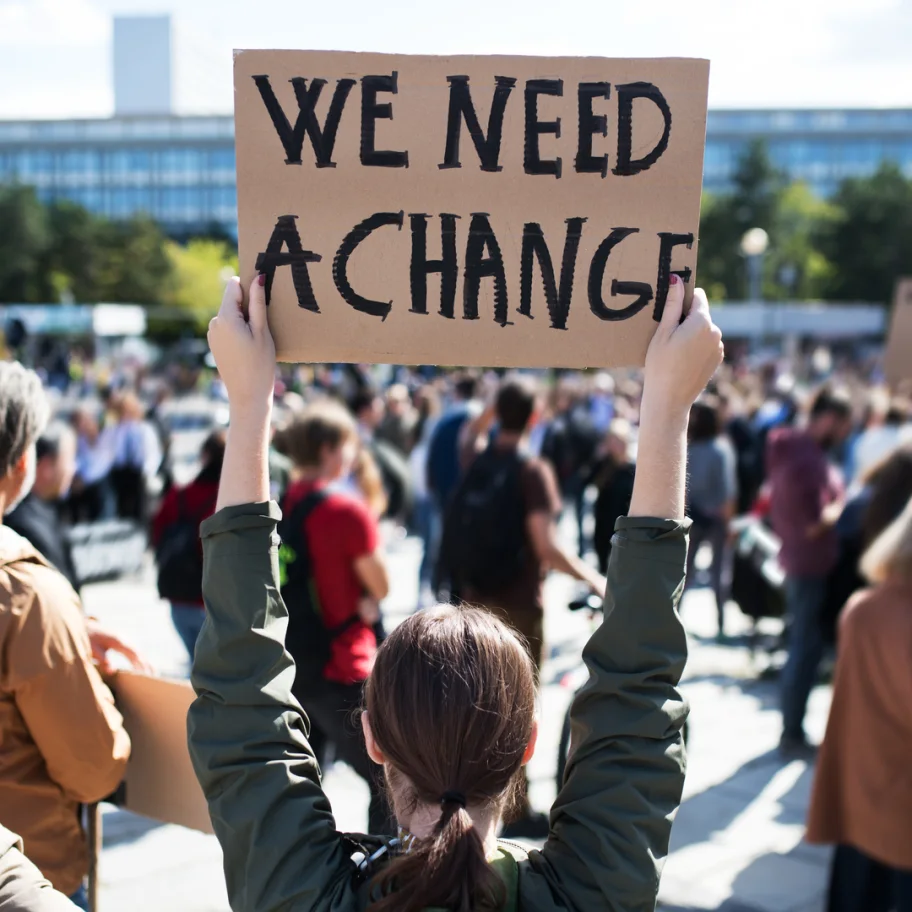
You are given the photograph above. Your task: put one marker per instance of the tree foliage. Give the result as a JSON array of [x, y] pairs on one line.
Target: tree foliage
[[870, 240], [201, 268]]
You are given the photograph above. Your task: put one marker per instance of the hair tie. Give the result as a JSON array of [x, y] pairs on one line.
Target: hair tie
[[453, 798]]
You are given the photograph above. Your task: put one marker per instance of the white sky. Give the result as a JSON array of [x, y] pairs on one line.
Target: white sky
[[55, 55]]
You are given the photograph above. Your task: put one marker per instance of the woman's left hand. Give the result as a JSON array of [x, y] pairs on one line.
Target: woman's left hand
[[243, 347]]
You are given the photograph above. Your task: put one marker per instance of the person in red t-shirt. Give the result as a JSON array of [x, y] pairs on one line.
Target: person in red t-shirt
[[196, 501], [350, 577]]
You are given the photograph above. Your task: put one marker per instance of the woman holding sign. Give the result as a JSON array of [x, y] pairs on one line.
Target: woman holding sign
[[450, 705]]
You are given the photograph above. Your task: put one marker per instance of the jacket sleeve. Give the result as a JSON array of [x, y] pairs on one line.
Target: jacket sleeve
[[611, 822], [22, 886], [66, 706], [248, 735]]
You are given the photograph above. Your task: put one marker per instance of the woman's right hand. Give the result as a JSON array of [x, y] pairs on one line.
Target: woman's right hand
[[243, 348]]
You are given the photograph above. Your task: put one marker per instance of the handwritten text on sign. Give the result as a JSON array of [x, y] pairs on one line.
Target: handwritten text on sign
[[467, 210]]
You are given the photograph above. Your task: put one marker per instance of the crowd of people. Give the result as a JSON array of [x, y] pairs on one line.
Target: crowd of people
[[481, 467]]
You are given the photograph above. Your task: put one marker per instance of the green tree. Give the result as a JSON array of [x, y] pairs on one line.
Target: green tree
[[753, 203], [72, 258], [25, 239], [133, 266], [871, 240], [201, 268], [796, 269]]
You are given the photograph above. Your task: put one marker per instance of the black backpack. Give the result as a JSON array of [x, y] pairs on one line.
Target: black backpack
[[484, 546], [179, 559], [308, 639]]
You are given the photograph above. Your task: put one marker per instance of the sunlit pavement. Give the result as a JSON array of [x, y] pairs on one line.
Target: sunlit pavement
[[737, 842]]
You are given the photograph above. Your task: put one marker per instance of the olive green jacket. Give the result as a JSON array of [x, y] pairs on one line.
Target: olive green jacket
[[610, 824]]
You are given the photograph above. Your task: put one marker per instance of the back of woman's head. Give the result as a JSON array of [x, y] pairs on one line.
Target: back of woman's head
[[451, 706]]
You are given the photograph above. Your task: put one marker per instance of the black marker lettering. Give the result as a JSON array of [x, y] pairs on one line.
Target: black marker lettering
[[323, 139], [667, 243], [461, 108], [347, 248], [479, 266], [286, 234], [535, 127], [626, 94], [421, 266], [534, 246], [591, 125], [596, 277], [371, 112]]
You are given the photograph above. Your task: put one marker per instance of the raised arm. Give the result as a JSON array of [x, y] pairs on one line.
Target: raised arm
[[247, 734], [611, 822]]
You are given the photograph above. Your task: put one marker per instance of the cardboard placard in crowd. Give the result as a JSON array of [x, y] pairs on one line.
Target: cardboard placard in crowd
[[898, 357], [504, 211], [160, 782]]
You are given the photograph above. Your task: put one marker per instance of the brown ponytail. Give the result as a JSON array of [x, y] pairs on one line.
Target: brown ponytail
[[451, 703]]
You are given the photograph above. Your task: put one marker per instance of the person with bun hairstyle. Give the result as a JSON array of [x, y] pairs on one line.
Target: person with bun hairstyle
[[449, 709]]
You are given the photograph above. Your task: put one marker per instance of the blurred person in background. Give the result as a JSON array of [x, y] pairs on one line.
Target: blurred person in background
[[93, 497], [887, 426], [862, 796], [426, 520], [806, 499], [570, 446], [334, 578], [369, 410], [178, 550], [397, 426], [612, 477], [712, 495], [443, 459], [38, 517], [735, 419], [366, 482], [137, 458], [63, 740], [874, 501], [601, 402]]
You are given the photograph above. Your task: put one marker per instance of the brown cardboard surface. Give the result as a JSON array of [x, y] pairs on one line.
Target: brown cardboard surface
[[327, 202], [898, 358], [160, 782]]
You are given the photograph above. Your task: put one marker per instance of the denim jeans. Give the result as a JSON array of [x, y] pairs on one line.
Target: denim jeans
[[716, 533], [861, 884], [426, 519], [804, 597], [80, 899], [188, 621]]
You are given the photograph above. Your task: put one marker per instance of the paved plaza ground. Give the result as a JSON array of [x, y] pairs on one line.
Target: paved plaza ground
[[737, 843]]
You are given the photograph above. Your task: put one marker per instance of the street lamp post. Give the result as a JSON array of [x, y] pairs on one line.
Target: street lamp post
[[753, 246]]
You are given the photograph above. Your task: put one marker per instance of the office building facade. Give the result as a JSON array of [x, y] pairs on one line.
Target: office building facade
[[819, 147], [181, 170]]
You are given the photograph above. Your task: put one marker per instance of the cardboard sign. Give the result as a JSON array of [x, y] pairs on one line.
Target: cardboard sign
[[160, 782], [503, 211], [898, 357]]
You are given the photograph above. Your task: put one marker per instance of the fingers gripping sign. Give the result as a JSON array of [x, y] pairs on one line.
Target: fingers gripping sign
[[684, 353], [242, 345]]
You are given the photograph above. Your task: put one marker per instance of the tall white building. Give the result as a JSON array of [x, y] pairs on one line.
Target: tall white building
[[142, 65]]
